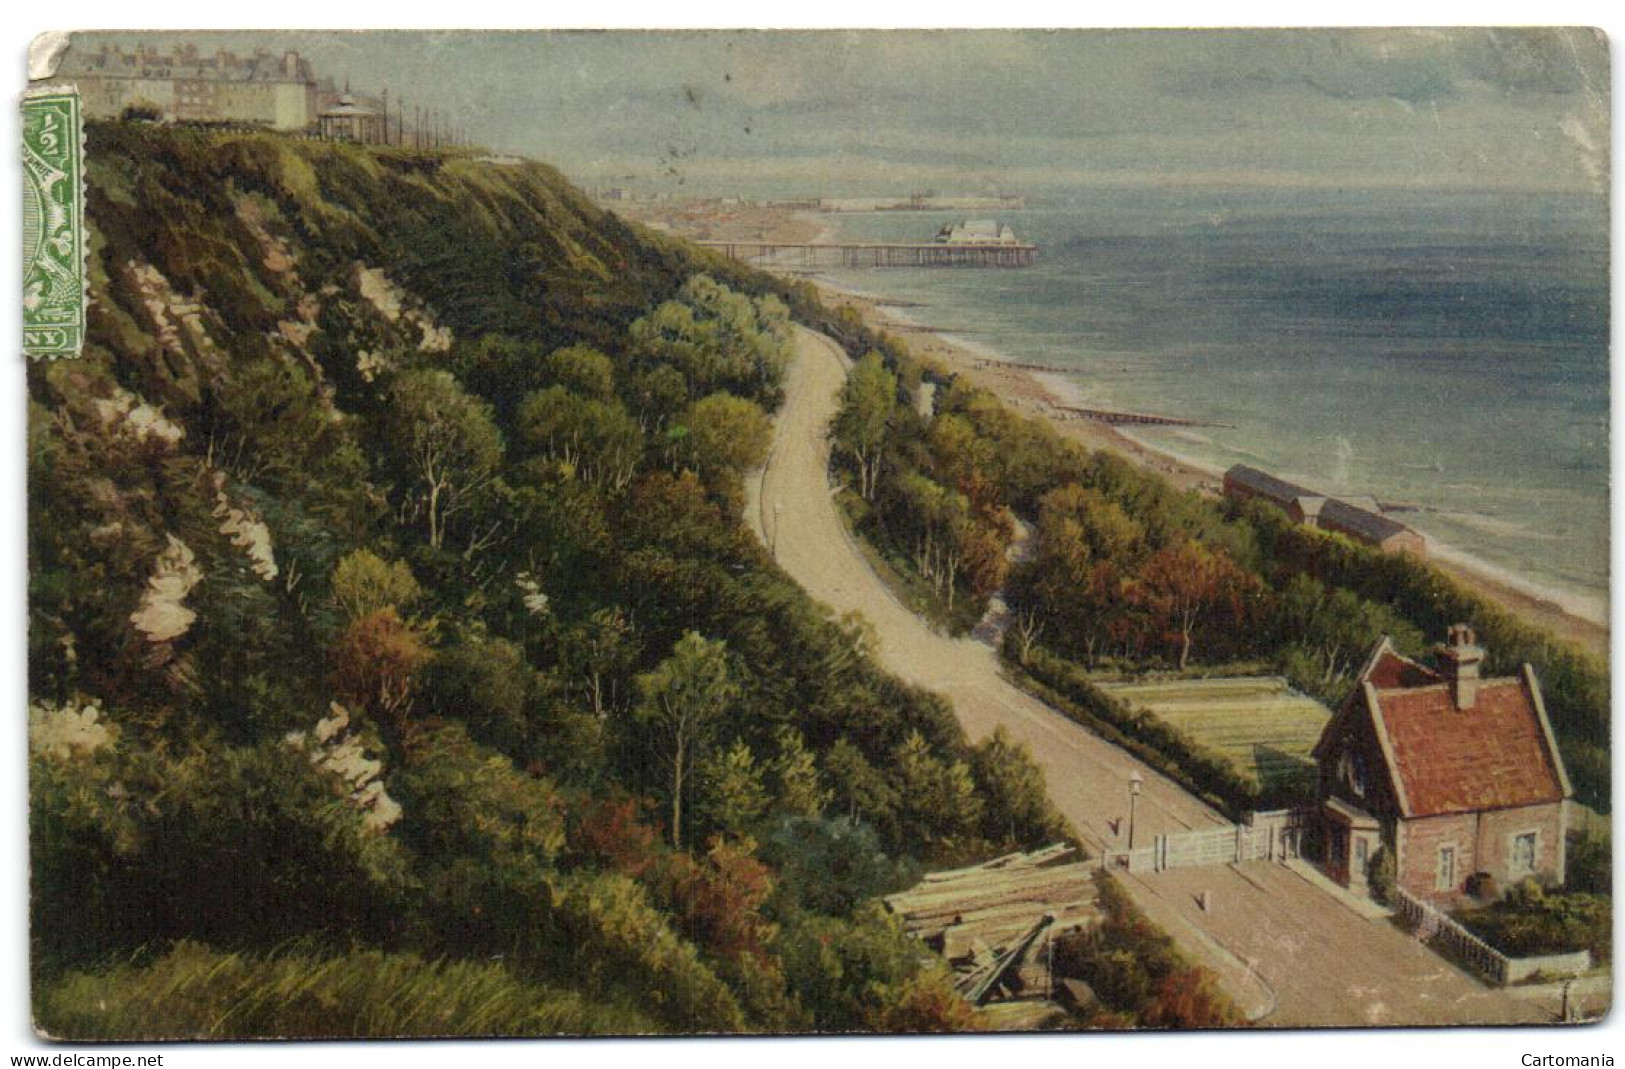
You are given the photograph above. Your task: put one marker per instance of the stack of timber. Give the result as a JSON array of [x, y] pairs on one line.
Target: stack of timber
[[994, 921]]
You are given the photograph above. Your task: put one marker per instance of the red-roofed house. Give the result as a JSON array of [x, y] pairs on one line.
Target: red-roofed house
[[1455, 773]]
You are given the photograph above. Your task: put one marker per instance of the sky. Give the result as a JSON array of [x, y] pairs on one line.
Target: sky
[[1034, 112]]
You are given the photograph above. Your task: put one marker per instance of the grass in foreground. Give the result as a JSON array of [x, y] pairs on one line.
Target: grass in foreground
[[194, 992]]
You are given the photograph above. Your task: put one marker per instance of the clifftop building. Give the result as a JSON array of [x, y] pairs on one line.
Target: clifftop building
[[189, 85]]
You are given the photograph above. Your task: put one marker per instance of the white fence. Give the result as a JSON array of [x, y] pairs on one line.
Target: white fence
[[1433, 924], [1262, 837]]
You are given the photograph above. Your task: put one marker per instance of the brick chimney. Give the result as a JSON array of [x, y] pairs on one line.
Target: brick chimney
[[1459, 657]]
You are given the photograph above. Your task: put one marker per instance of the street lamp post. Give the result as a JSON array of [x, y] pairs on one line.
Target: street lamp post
[[1136, 783], [773, 541]]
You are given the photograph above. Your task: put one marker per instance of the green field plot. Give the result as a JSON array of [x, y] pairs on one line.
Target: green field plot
[[1260, 724]]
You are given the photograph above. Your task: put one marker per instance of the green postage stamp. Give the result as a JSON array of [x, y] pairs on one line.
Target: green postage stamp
[[53, 224]]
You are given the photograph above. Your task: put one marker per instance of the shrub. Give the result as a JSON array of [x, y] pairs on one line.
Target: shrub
[[831, 866], [1067, 687], [1135, 969], [134, 846], [1382, 876], [1590, 863], [1530, 921]]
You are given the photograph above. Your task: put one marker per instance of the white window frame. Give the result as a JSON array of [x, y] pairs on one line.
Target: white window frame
[[1533, 834], [1440, 883]]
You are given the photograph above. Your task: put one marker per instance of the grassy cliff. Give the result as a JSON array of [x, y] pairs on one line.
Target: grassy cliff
[[390, 615]]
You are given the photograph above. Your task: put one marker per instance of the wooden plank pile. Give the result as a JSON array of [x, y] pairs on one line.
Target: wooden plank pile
[[994, 921]]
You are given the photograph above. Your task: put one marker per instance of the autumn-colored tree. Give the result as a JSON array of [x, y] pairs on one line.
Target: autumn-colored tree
[[1185, 581], [376, 664], [1189, 998], [1081, 543], [611, 832], [682, 702], [985, 558], [925, 1002], [720, 899]]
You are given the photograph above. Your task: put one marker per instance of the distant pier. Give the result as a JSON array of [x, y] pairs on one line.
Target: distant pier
[[876, 254]]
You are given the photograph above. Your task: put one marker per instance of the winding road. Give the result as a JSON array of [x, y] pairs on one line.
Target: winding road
[[1291, 952]]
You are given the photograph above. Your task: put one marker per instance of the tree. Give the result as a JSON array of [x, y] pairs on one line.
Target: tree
[[732, 794], [941, 523], [831, 866], [1335, 629], [718, 339], [1184, 581], [1018, 807], [986, 556], [925, 1002], [583, 370], [720, 899], [938, 798], [797, 786], [1110, 532], [657, 395], [726, 436], [597, 651], [867, 401], [364, 582], [484, 681], [867, 794], [611, 832], [450, 440], [376, 664], [683, 700], [598, 439]]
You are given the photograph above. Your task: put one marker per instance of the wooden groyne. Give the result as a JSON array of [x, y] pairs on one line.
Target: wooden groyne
[[1144, 419], [876, 254]]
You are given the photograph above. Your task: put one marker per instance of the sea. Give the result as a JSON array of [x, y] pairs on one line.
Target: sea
[[1445, 351]]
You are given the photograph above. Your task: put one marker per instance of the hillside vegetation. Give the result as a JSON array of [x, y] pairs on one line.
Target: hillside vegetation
[[399, 663]]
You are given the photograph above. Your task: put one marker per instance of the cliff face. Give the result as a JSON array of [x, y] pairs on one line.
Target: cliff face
[[252, 295], [256, 244]]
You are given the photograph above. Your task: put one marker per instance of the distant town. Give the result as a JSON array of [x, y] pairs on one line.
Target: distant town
[[263, 89]]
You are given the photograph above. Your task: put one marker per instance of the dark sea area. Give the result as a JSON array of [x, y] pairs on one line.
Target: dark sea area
[[1446, 350]]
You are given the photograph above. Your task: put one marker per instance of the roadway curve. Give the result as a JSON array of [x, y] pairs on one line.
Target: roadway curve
[[1288, 950], [794, 509]]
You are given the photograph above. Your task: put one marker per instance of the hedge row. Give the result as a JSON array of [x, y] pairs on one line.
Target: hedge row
[[1067, 686]]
